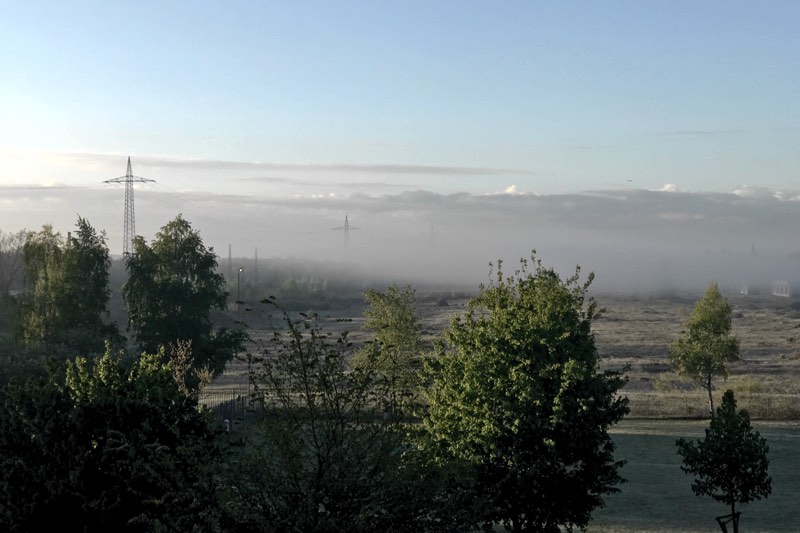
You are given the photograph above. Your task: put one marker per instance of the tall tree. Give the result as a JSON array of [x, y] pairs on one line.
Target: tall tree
[[171, 290], [64, 305], [37, 313], [12, 262], [707, 349], [112, 445], [328, 455], [731, 462], [396, 348], [84, 291], [516, 393], [12, 266]]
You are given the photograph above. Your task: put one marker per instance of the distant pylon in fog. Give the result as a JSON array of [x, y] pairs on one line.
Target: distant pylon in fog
[[129, 231], [346, 228]]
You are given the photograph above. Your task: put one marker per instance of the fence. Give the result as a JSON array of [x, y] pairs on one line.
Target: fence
[[226, 404], [694, 404]]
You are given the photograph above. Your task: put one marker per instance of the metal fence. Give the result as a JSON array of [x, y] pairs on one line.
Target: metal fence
[[226, 404]]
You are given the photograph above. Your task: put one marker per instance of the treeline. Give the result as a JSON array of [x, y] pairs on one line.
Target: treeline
[[504, 423], [307, 284]]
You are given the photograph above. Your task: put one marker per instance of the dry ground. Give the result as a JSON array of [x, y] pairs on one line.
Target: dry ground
[[632, 333]]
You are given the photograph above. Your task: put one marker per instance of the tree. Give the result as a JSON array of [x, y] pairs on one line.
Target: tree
[[516, 392], [37, 313], [708, 348], [11, 260], [171, 290], [84, 293], [11, 275], [731, 462], [64, 306], [106, 446], [395, 349], [328, 455]]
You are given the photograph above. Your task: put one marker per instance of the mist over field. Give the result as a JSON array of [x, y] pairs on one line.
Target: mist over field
[[636, 241]]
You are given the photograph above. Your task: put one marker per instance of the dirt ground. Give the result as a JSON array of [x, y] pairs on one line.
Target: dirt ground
[[632, 334]]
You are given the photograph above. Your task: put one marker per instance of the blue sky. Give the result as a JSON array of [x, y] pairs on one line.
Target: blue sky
[[571, 95], [318, 100]]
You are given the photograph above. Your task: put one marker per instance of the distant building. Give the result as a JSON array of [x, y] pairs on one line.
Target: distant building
[[781, 288]]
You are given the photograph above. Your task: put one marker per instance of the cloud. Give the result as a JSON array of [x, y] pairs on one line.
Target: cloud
[[630, 238], [695, 133], [269, 180], [680, 217], [217, 165], [754, 192]]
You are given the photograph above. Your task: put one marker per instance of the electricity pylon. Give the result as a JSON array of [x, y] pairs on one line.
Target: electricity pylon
[[346, 228], [130, 216]]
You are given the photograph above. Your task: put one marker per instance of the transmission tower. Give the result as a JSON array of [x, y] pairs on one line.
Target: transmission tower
[[130, 216], [346, 228]]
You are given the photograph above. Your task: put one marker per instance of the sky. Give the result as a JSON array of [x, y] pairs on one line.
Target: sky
[[265, 123]]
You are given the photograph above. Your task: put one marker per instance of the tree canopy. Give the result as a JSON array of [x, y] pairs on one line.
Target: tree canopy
[[515, 391], [396, 347], [328, 455], [707, 348], [171, 290], [64, 305], [109, 445], [12, 262], [731, 463]]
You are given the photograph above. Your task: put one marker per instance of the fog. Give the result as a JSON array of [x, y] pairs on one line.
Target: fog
[[635, 241]]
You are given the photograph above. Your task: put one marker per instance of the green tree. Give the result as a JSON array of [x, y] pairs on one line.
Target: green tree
[[516, 392], [731, 462], [36, 313], [396, 346], [328, 455], [84, 290], [707, 349], [63, 309], [107, 446], [171, 290], [12, 263]]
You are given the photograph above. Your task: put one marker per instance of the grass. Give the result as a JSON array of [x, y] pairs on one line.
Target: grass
[[658, 495], [635, 333]]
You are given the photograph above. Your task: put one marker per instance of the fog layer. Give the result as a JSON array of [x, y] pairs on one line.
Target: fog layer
[[634, 240]]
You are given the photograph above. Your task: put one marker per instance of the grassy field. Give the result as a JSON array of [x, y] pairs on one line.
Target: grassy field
[[635, 333], [632, 333], [658, 495]]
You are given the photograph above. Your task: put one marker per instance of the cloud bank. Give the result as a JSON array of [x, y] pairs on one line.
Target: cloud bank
[[635, 240]]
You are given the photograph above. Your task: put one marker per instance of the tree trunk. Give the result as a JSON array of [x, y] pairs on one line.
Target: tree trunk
[[710, 397], [735, 518]]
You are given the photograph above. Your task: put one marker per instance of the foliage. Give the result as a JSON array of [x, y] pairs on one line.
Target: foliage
[[107, 446], [329, 454], [396, 346], [707, 349], [171, 290], [515, 392], [731, 463], [37, 312], [11, 260], [64, 306]]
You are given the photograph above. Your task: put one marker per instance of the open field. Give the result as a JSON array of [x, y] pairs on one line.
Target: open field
[[632, 333], [658, 495], [636, 332]]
